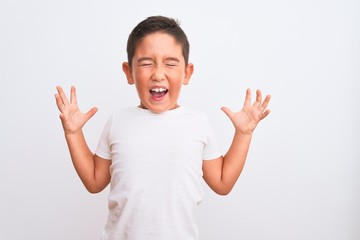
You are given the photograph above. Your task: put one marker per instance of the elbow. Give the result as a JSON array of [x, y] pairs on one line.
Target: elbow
[[94, 186], [223, 190], [93, 189]]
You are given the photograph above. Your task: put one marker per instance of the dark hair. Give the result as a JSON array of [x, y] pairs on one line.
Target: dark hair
[[157, 24]]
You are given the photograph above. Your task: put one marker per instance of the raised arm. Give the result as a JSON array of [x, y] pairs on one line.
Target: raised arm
[[222, 173], [92, 170]]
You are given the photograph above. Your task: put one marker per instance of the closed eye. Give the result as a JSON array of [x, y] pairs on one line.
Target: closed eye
[[145, 62], [172, 63]]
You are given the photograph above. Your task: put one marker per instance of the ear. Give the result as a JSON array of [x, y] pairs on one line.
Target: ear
[[188, 73], [128, 72]]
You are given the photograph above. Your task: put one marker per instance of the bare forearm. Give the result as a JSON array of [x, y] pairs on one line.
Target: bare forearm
[[92, 170], [234, 160], [82, 158], [222, 173]]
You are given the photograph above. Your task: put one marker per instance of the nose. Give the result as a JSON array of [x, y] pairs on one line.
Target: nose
[[158, 74]]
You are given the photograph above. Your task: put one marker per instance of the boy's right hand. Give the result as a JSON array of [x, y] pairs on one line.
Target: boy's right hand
[[71, 117]]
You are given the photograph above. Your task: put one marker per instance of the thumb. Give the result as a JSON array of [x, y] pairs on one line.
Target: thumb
[[91, 113], [227, 111]]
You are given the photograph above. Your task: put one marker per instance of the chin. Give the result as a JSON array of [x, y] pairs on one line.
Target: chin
[[160, 109], [158, 106], [154, 109]]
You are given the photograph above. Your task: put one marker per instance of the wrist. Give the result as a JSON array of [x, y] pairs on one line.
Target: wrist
[[243, 134], [69, 133]]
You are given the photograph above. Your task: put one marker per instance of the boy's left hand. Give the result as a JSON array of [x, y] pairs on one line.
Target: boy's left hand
[[246, 120]]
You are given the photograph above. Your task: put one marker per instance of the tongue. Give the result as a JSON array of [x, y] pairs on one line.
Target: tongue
[[158, 94]]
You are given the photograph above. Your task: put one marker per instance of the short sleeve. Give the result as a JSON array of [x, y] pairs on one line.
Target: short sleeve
[[103, 149], [211, 149]]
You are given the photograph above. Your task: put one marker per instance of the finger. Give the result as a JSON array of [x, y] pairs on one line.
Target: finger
[[61, 116], [247, 97], [91, 113], [264, 114], [258, 98], [62, 95], [59, 102], [227, 111], [73, 98], [265, 103]]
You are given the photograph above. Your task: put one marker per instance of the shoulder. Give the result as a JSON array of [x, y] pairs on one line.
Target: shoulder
[[195, 117], [192, 112], [121, 115], [195, 113], [125, 113]]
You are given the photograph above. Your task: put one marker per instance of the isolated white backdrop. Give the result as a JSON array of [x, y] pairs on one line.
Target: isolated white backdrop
[[301, 180]]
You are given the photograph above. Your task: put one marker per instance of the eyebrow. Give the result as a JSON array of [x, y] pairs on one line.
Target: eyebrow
[[172, 59], [144, 59], [150, 59]]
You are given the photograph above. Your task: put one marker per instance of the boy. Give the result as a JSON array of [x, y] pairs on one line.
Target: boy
[[155, 155]]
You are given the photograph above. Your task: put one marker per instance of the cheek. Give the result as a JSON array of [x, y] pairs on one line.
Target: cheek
[[140, 78], [177, 77], [138, 75], [176, 87]]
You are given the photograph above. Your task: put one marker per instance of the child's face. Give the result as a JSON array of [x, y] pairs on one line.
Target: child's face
[[158, 71]]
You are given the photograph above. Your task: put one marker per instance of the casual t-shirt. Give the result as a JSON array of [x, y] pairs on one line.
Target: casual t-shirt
[[156, 172]]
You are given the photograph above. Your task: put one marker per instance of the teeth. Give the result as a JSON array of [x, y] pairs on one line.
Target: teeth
[[158, 90]]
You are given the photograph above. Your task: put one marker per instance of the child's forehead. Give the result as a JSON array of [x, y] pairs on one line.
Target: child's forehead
[[155, 37], [158, 42]]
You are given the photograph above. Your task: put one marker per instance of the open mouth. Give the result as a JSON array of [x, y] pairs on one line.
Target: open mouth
[[158, 92]]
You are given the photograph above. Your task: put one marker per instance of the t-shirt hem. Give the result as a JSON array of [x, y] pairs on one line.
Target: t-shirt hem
[[212, 156], [103, 155]]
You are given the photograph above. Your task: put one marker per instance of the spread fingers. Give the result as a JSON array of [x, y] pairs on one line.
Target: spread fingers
[[264, 105]]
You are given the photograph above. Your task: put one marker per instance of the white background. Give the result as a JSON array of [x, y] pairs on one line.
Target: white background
[[301, 180]]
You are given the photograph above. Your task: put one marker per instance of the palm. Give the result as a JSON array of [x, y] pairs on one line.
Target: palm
[[71, 117], [246, 120]]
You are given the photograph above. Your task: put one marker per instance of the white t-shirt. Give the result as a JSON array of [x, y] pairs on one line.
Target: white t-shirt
[[156, 172]]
